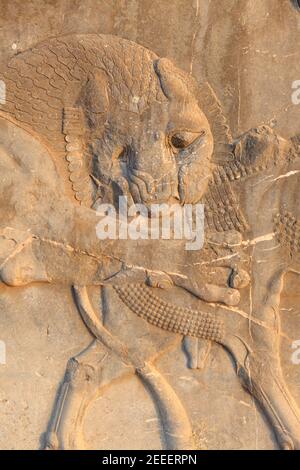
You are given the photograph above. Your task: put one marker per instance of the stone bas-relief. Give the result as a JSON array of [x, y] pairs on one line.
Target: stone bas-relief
[[88, 118]]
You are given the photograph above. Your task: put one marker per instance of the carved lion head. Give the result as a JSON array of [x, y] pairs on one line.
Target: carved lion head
[[133, 124]]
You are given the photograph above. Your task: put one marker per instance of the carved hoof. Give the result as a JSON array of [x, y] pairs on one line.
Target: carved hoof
[[51, 441]]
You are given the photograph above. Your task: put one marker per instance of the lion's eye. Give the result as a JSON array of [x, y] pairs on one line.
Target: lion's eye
[[182, 139]]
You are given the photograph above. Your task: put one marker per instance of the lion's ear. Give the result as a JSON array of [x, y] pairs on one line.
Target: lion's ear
[[93, 97], [174, 82]]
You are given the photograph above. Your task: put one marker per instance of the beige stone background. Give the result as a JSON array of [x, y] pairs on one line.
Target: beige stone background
[[249, 51]]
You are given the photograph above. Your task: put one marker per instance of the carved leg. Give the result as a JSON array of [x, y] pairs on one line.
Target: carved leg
[[175, 422], [176, 425], [259, 368], [262, 377], [86, 376]]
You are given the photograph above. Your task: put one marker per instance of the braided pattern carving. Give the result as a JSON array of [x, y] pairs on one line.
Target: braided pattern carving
[[170, 317], [221, 205], [73, 129], [287, 231], [222, 211]]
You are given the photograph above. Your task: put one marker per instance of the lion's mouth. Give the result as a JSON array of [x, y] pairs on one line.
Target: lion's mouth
[[147, 190]]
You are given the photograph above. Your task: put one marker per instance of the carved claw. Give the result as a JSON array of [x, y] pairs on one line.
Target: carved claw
[[208, 292], [239, 279], [160, 280]]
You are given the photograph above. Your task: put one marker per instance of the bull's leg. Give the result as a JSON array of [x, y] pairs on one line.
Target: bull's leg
[[259, 368], [86, 376], [176, 426], [262, 377]]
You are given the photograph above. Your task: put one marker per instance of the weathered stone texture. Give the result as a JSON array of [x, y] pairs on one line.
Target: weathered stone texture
[[102, 336]]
